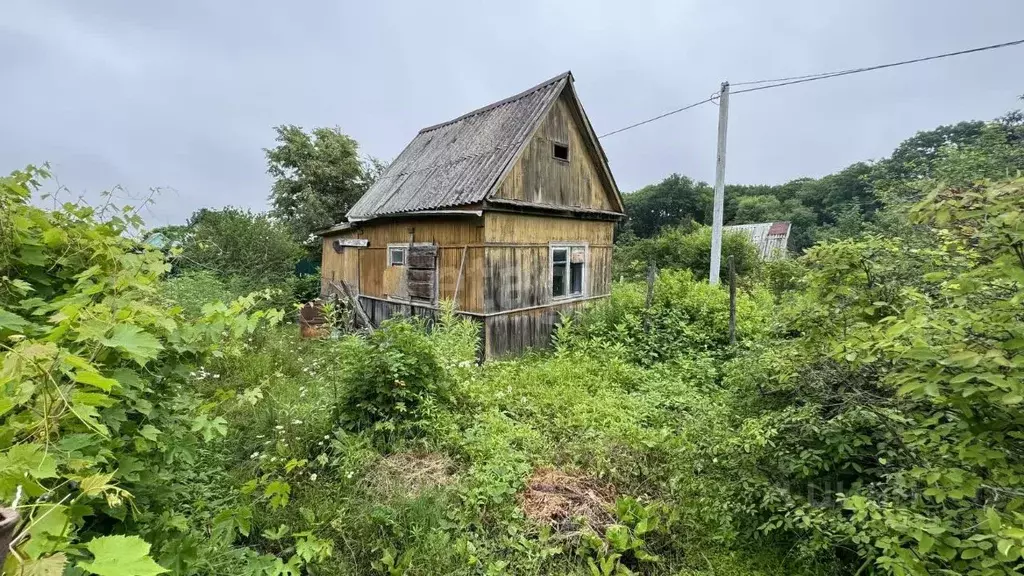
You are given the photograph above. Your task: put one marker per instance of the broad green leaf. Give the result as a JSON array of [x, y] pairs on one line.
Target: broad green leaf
[[150, 432], [12, 322], [96, 379], [49, 566], [994, 521], [1004, 547], [971, 553], [29, 458], [925, 543], [48, 530], [140, 345], [1012, 398], [121, 556], [95, 484]]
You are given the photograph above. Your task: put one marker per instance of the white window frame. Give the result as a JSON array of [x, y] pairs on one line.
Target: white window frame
[[404, 248], [568, 246]]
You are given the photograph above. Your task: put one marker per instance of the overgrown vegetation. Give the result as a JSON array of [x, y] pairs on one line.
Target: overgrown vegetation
[[867, 421]]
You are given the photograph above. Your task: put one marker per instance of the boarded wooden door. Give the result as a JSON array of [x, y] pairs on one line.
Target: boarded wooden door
[[422, 273]]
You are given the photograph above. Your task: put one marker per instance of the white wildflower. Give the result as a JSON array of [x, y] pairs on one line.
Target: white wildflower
[[312, 477], [254, 455], [296, 421], [279, 427]]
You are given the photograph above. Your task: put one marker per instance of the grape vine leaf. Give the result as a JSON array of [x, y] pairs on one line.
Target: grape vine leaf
[[139, 344], [121, 556], [49, 566]]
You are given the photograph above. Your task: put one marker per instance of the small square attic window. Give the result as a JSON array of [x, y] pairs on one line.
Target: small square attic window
[[560, 151]]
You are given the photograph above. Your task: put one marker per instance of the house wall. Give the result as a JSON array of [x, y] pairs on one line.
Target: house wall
[[540, 178], [516, 332], [452, 235], [506, 282], [517, 262]]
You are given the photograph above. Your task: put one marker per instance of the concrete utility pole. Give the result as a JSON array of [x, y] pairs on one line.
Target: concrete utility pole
[[716, 223]]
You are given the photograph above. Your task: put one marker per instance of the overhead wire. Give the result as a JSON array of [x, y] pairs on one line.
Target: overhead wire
[[659, 117], [790, 80]]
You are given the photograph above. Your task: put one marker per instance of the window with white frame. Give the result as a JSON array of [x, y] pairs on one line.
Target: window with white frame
[[396, 255], [568, 270]]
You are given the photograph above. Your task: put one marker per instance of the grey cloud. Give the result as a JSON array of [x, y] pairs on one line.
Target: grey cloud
[[184, 94]]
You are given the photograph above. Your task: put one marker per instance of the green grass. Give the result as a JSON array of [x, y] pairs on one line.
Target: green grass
[[601, 418]]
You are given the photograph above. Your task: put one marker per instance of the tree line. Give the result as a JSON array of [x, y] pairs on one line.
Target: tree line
[[842, 204]]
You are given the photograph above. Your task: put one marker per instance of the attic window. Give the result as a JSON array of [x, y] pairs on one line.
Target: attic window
[[560, 151]]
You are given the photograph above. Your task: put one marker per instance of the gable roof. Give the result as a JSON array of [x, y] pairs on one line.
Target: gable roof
[[462, 161]]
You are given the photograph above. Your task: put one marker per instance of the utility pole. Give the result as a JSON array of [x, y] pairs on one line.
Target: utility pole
[[719, 206]]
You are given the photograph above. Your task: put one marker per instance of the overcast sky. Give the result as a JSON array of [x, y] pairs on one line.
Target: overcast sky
[[184, 94]]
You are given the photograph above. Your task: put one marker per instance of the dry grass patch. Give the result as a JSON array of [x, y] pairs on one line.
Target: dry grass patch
[[408, 474], [564, 501]]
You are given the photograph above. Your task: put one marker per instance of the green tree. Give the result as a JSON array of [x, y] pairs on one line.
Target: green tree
[[240, 244], [673, 201], [318, 176], [681, 248]]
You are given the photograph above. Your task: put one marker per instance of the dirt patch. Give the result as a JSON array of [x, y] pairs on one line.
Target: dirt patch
[[566, 501], [408, 474]]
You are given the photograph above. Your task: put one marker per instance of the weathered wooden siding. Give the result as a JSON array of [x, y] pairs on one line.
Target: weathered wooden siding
[[450, 234], [513, 228], [514, 333], [599, 271], [517, 265], [520, 276], [379, 310], [342, 265], [516, 277], [541, 178]]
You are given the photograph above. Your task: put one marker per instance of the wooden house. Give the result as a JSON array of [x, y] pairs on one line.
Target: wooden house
[[508, 211]]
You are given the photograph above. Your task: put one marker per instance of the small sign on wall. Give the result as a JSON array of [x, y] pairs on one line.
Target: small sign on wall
[[339, 243]]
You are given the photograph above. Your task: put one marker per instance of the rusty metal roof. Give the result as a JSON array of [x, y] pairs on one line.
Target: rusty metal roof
[[770, 238], [457, 162]]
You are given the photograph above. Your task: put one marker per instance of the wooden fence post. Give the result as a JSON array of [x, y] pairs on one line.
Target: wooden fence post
[[652, 272], [732, 301]]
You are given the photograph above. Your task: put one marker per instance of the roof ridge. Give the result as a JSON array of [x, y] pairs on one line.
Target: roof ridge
[[524, 93]]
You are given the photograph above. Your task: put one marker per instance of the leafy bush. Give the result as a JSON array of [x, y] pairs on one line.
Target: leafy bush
[[238, 244], [686, 316], [306, 287], [684, 248], [394, 378], [782, 276], [97, 426], [891, 428]]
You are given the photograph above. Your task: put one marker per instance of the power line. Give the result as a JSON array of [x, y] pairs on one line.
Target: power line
[[676, 111], [812, 77], [778, 82]]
